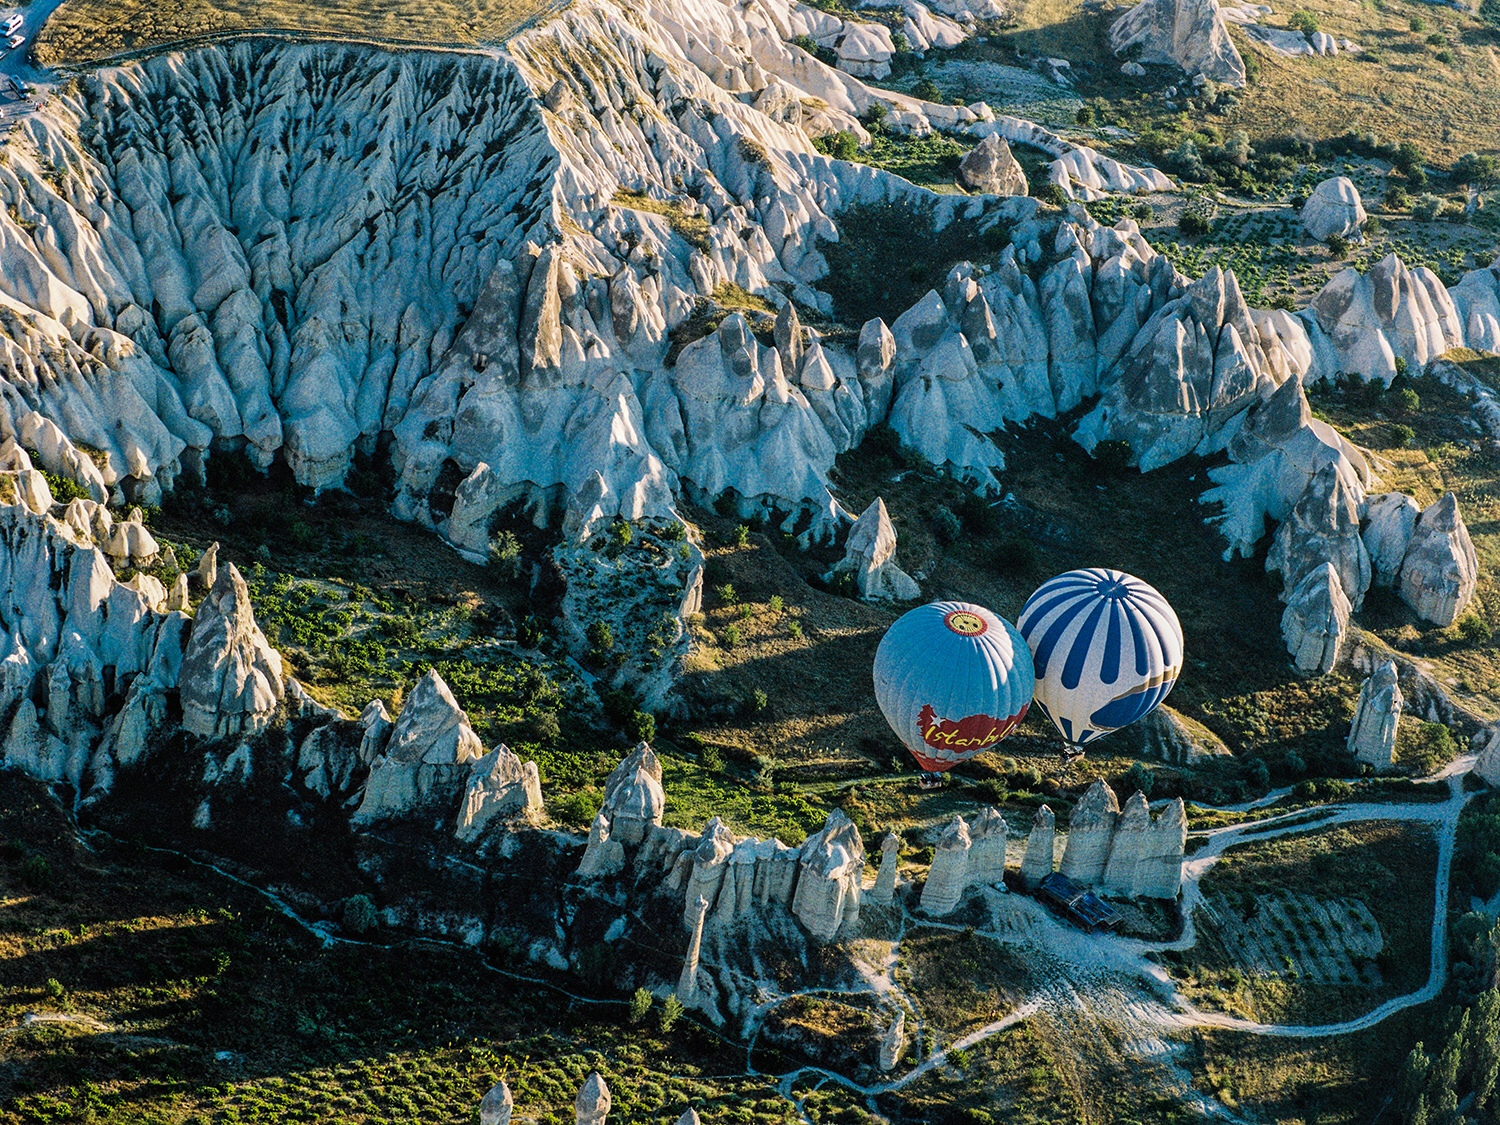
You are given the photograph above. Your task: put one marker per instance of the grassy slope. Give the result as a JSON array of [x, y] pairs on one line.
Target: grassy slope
[[84, 31]]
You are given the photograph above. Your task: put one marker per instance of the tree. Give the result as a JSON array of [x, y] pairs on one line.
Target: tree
[[1303, 21], [1475, 170], [640, 1004], [671, 1008]]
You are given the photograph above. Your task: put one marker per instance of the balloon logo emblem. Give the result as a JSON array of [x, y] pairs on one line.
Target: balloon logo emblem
[[965, 623]]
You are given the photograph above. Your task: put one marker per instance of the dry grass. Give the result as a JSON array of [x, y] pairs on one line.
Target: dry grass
[[84, 31]]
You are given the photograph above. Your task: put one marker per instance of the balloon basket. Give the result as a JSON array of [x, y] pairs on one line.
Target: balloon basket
[[931, 780]]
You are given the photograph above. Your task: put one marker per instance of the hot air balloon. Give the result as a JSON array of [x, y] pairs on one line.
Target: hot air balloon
[[1107, 649], [952, 679]]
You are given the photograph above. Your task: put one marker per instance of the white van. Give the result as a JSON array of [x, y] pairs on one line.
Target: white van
[[12, 22], [16, 40]]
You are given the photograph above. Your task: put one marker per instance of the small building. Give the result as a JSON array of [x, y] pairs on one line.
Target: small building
[[1083, 908]]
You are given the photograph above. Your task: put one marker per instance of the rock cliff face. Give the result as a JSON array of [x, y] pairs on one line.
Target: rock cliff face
[[231, 679]]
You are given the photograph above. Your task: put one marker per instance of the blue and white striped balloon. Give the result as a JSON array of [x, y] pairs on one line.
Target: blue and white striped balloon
[[1107, 649]]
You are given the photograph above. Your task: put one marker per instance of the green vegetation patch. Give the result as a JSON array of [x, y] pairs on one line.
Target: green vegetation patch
[[889, 255], [1323, 890]]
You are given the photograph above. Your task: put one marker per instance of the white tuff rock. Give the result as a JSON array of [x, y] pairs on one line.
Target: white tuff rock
[[1323, 527], [496, 1107], [831, 870], [1372, 735], [884, 891], [230, 680], [1091, 829], [870, 555], [1039, 859], [948, 876], [1392, 516], [633, 796], [591, 1106], [1440, 569], [989, 168], [1333, 208], [426, 758], [1186, 33], [500, 787], [1315, 624]]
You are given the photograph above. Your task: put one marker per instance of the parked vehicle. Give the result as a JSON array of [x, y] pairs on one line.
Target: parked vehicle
[[12, 24], [16, 40]]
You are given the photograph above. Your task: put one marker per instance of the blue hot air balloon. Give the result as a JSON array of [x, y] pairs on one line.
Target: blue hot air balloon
[[952, 679], [1107, 649]]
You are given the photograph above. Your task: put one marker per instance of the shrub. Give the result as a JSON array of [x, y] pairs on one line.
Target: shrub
[[1404, 400], [505, 555], [946, 526], [577, 810], [794, 627], [1475, 170], [1402, 436], [640, 1004], [64, 489], [1417, 24], [725, 592], [1428, 208], [759, 701], [1303, 21], [1428, 746], [1338, 246], [711, 758], [732, 636], [776, 604], [876, 113], [927, 90], [1437, 39], [641, 726], [742, 535], [842, 145], [36, 872], [55, 988], [359, 915], [1198, 216], [601, 637], [674, 532], [1445, 57], [1015, 554], [1140, 777], [900, 42], [1373, 227], [1143, 212], [671, 1009], [1473, 628], [1084, 116]]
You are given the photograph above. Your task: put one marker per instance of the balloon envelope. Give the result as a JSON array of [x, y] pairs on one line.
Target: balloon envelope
[[952, 679], [1107, 649]]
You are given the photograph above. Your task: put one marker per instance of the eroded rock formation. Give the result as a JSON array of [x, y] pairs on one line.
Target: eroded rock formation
[[1372, 735]]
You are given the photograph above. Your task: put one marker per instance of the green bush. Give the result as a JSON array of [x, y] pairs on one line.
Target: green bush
[[671, 1009], [641, 726], [732, 636], [64, 488], [1428, 208], [1140, 777], [1199, 215], [359, 914], [1417, 24], [577, 810], [1338, 246], [794, 628], [1404, 400], [640, 1004], [505, 556], [1425, 747], [1473, 628], [842, 145], [1475, 170], [36, 872], [1402, 436], [927, 90], [1303, 21], [1085, 115], [601, 637], [946, 526]]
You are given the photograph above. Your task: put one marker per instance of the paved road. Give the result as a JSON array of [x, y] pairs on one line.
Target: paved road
[[17, 63]]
